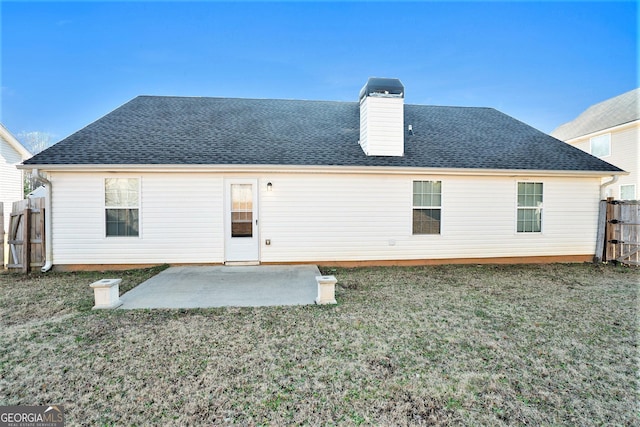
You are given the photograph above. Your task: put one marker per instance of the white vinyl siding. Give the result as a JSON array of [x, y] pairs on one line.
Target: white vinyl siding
[[625, 154], [382, 126], [357, 217], [313, 217], [180, 217], [11, 185], [325, 217]]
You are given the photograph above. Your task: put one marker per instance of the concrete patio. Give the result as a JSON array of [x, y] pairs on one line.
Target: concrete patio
[[219, 286]]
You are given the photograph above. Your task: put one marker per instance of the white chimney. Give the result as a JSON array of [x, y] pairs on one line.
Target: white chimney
[[382, 117]]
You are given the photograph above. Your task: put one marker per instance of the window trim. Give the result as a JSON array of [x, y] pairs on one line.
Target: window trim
[[414, 207], [105, 207], [518, 208], [608, 135]]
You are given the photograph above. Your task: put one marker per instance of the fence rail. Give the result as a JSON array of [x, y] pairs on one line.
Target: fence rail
[[26, 235]]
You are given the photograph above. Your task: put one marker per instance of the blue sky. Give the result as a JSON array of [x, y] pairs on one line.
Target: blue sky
[[65, 65]]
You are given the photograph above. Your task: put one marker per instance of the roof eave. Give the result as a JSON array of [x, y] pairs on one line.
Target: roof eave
[[616, 128], [14, 143], [317, 168]]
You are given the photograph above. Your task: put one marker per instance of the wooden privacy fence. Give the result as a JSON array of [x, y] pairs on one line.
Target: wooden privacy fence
[[619, 232], [26, 235]]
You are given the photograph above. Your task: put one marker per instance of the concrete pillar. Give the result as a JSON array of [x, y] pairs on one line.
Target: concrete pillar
[[106, 293], [326, 290]]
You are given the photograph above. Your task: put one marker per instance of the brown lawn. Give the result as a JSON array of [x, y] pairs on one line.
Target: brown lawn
[[439, 345]]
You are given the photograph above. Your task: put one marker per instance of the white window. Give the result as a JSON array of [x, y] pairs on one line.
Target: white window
[[601, 145], [427, 209], [529, 207], [122, 204], [628, 192]]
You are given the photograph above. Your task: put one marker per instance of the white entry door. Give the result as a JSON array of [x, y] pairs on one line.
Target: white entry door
[[241, 220]]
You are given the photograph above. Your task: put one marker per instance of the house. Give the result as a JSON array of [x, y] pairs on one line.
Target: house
[[12, 153], [223, 180], [610, 130]]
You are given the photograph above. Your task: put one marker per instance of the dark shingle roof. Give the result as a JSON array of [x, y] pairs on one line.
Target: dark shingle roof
[[151, 130]]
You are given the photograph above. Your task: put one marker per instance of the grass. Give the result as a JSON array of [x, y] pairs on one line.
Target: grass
[[37, 297], [442, 345]]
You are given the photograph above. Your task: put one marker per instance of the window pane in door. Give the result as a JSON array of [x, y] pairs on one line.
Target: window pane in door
[[241, 210]]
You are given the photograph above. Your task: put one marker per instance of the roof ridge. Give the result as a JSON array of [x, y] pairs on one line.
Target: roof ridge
[[187, 97], [239, 98]]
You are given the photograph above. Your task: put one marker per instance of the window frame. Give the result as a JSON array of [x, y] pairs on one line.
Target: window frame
[[105, 208], [597, 138], [519, 208], [414, 207]]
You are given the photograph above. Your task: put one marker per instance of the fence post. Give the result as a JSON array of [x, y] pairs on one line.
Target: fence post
[[610, 248], [26, 240], [600, 233]]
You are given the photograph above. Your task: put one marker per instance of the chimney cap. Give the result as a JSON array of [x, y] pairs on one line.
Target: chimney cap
[[377, 86]]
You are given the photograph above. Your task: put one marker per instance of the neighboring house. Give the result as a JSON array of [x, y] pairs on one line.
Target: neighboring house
[[12, 153], [610, 130], [222, 180]]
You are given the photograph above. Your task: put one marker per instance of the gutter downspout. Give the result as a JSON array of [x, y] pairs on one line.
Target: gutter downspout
[[48, 232], [613, 180]]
